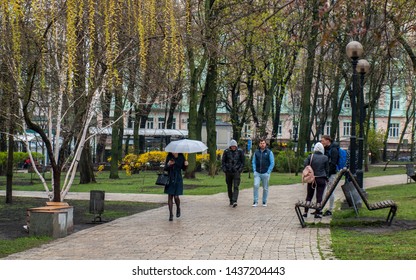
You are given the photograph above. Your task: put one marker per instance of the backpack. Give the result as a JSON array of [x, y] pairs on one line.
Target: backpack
[[342, 159], [308, 175]]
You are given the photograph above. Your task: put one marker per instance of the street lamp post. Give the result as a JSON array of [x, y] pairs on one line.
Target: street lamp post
[[362, 67], [354, 51]]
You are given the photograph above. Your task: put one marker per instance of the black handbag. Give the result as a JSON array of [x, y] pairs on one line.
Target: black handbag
[[162, 179]]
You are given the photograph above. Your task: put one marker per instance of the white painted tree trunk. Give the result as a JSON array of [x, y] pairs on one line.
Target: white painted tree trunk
[[69, 178]]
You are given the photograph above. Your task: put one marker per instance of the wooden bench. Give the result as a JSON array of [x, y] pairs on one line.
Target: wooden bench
[[377, 205], [410, 172], [318, 206]]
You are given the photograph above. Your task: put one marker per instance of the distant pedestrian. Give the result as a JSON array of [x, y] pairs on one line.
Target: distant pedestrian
[[232, 164], [263, 164], [27, 163], [332, 152], [174, 164], [319, 163]]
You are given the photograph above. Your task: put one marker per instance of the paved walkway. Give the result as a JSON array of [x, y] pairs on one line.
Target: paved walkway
[[208, 230]]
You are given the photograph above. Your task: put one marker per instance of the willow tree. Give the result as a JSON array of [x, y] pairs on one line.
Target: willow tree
[[53, 50], [44, 64]]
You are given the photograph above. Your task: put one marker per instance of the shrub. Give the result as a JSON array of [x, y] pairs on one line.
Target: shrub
[[285, 161], [375, 144], [19, 158], [133, 163], [202, 160]]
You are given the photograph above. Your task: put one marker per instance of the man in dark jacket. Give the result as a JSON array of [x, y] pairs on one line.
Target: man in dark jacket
[[332, 152], [232, 164]]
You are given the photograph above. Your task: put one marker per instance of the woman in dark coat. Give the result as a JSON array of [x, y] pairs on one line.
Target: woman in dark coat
[[320, 166], [174, 164]]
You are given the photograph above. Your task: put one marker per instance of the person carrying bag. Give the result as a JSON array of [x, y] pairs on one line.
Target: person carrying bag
[[320, 167]]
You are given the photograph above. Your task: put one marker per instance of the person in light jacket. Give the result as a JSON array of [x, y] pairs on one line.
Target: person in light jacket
[[320, 166], [263, 164]]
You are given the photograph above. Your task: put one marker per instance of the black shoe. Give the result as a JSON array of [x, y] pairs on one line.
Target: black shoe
[[327, 213], [305, 215], [234, 204], [178, 212], [317, 216], [171, 217]]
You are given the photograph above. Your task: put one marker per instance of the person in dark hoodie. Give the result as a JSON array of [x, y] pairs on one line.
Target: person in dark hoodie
[[232, 164], [332, 152]]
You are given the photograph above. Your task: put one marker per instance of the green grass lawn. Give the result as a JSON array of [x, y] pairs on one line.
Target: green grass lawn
[[8, 247], [367, 237], [144, 182]]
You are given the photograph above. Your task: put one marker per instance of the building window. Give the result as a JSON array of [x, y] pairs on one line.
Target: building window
[[149, 123], [279, 129], [396, 103], [319, 102], [247, 131], [347, 129], [174, 123], [327, 128], [347, 102], [161, 123], [295, 130], [394, 130]]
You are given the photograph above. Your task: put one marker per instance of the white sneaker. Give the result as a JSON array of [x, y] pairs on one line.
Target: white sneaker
[[254, 205], [264, 205]]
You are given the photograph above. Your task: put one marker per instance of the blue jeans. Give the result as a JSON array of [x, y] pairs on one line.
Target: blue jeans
[[264, 178]]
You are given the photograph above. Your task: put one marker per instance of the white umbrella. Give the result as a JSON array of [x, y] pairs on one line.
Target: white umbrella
[[186, 146]]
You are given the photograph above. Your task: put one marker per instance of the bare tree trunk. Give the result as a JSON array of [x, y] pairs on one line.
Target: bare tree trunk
[[335, 104], [86, 170], [117, 133], [409, 116], [136, 147], [3, 123], [386, 136], [211, 109], [102, 138], [304, 132], [9, 168]]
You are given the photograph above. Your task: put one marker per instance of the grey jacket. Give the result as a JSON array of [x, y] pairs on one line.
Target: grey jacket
[[320, 164]]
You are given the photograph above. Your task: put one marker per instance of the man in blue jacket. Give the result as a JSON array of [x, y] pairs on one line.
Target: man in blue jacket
[[263, 164]]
